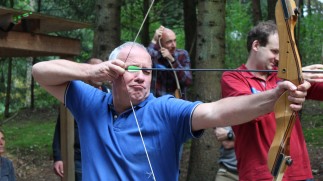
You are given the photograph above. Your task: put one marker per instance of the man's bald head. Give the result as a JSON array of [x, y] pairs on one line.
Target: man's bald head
[[168, 40]]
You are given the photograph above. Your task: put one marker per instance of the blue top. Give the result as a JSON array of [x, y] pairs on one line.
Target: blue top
[[111, 145], [7, 171]]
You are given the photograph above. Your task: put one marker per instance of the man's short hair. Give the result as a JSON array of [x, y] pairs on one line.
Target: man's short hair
[[114, 54], [261, 33]]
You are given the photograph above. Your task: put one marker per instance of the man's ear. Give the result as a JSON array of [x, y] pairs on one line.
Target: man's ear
[[255, 45]]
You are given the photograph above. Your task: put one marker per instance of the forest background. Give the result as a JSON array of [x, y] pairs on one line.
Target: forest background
[[213, 32]]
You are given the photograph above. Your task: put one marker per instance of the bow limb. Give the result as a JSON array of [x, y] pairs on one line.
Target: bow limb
[[289, 69], [178, 92]]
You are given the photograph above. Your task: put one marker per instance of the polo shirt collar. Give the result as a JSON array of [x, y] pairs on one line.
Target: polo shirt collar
[[250, 75]]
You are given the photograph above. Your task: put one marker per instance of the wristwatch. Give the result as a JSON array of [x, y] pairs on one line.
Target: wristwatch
[[230, 135]]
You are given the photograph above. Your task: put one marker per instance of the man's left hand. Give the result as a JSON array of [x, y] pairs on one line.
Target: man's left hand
[[313, 77]]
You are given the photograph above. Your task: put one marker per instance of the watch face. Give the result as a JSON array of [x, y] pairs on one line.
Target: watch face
[[230, 136]]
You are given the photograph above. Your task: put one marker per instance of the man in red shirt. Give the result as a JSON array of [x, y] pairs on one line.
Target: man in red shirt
[[253, 139]]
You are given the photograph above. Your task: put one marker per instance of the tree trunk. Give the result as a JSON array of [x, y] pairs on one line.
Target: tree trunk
[[271, 9], [145, 38], [107, 27], [301, 8], [256, 11], [309, 5], [190, 28], [2, 78], [8, 92], [29, 64], [32, 86], [300, 17], [210, 54]]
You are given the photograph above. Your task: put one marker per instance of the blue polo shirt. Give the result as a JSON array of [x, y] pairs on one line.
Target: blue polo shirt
[[111, 145]]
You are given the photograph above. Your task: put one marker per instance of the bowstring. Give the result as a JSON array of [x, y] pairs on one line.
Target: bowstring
[[132, 107]]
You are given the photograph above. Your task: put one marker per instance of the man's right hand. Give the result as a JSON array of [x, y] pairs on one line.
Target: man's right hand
[[166, 54], [158, 34], [59, 168], [106, 71]]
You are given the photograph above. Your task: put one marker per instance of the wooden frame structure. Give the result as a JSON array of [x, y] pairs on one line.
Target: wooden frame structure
[[30, 38]]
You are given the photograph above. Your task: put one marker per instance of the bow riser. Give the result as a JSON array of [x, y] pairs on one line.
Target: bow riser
[[279, 152], [289, 69]]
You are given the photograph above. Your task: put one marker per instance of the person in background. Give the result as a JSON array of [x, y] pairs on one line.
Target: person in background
[[7, 171], [164, 54], [58, 166], [129, 134], [227, 160], [253, 139]]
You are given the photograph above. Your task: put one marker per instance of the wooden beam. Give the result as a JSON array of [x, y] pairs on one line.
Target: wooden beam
[[67, 143], [20, 44], [47, 24]]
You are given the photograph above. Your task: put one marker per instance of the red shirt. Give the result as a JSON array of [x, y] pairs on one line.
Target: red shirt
[[253, 139]]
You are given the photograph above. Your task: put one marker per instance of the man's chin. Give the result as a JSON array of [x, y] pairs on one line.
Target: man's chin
[[139, 97]]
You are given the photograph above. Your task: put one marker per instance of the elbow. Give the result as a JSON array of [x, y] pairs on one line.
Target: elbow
[[35, 71]]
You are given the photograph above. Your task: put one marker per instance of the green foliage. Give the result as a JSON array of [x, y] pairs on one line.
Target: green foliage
[[132, 16], [238, 23], [29, 136], [19, 88], [180, 38], [23, 4], [43, 99], [162, 13], [314, 136], [310, 43]]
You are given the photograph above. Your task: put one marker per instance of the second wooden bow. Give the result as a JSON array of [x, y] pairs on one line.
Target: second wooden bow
[[290, 69]]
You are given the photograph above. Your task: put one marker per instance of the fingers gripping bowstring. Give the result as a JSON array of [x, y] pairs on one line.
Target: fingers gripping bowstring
[[132, 107]]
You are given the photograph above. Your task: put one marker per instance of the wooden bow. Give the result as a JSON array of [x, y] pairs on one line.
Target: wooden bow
[[178, 92], [289, 69]]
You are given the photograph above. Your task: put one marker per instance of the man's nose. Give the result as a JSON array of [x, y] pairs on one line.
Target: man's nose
[[140, 76], [276, 58], [173, 44]]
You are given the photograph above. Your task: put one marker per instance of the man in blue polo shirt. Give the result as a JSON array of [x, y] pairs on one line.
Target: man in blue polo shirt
[[131, 135]]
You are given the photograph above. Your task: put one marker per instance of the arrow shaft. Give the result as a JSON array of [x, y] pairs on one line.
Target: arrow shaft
[[216, 70]]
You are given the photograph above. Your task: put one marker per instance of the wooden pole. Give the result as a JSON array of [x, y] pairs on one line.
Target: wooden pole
[[67, 142]]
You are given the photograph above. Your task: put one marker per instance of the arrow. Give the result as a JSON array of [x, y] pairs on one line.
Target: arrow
[[133, 68]]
